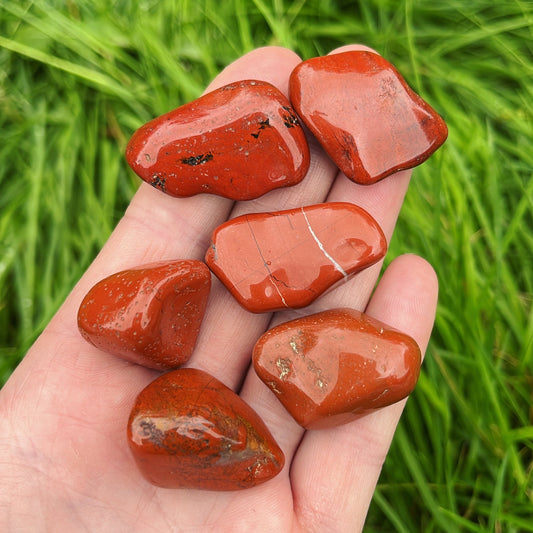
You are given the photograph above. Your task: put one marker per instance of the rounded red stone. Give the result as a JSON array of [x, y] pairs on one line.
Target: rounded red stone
[[239, 141], [150, 315], [287, 259], [369, 121], [332, 367], [188, 430]]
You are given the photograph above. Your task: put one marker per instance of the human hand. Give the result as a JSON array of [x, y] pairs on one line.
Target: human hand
[[65, 461]]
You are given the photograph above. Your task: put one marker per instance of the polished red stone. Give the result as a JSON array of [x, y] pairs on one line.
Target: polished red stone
[[332, 367], [149, 315], [188, 430], [286, 259], [369, 121], [239, 141]]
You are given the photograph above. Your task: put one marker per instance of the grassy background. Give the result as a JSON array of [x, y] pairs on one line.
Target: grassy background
[[76, 79]]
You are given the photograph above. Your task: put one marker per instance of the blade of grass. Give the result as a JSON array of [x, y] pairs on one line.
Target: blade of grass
[[94, 77]]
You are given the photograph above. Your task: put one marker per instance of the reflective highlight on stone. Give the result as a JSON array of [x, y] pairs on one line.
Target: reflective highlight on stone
[[332, 367], [287, 259], [150, 315], [239, 141], [369, 121], [188, 430]]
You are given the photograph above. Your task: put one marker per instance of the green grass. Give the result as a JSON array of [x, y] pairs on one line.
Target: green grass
[[76, 78]]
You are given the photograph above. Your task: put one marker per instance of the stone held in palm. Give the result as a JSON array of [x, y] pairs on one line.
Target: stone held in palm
[[150, 315], [239, 141], [369, 121], [188, 430], [332, 367], [287, 259]]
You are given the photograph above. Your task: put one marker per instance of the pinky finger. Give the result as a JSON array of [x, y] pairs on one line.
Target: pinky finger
[[334, 472]]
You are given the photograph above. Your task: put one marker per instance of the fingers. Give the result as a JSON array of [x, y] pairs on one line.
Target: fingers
[[157, 227], [236, 330], [337, 469]]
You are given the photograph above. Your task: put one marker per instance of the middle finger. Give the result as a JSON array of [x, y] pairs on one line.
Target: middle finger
[[229, 331]]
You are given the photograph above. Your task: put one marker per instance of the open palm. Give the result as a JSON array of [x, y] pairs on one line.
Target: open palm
[[64, 457]]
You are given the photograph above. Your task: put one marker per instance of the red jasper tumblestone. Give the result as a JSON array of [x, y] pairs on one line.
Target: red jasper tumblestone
[[369, 121], [286, 259], [188, 430], [239, 141], [332, 367], [150, 315]]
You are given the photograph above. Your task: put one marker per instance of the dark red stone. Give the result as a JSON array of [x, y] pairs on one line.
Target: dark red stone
[[150, 315], [286, 259], [332, 367], [188, 430], [369, 121], [239, 141]]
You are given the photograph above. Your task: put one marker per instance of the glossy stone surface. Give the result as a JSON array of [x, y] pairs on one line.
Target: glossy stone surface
[[188, 430], [150, 315], [286, 259], [369, 121], [332, 367], [239, 141]]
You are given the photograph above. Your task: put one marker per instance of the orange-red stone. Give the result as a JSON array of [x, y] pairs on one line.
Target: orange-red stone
[[188, 430], [150, 315], [239, 141], [332, 367], [369, 121], [286, 259]]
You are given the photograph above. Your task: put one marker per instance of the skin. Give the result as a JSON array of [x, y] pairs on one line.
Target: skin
[[64, 457]]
